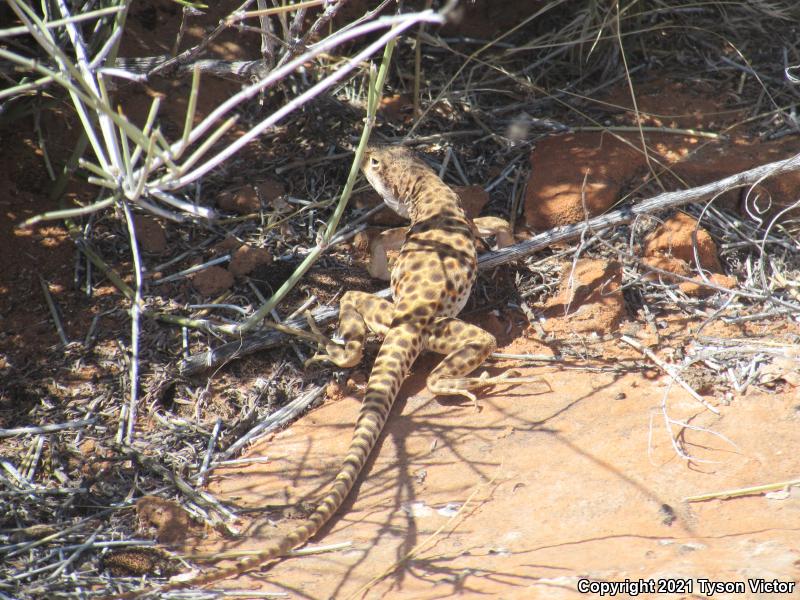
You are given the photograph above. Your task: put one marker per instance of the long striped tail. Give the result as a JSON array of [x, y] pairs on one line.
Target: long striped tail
[[391, 368]]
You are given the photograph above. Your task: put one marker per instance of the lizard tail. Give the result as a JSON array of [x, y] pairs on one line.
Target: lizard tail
[[392, 365]]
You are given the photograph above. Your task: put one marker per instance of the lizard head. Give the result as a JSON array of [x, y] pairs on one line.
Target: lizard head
[[393, 171]]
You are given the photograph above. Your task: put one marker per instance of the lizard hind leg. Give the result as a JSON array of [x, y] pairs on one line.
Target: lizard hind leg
[[357, 312], [465, 347]]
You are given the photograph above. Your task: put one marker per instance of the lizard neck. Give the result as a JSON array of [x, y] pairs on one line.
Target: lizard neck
[[429, 198]]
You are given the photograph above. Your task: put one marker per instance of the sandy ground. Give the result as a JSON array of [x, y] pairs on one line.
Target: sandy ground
[[536, 491]]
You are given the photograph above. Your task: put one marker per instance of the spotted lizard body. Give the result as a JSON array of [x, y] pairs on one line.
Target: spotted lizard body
[[431, 281]]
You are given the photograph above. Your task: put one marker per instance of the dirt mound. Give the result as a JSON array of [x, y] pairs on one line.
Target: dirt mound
[[679, 246], [577, 176], [589, 299]]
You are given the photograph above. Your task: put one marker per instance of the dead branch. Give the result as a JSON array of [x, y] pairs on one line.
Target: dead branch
[[627, 214]]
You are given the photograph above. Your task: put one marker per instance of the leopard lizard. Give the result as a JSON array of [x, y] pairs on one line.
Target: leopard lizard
[[431, 280]]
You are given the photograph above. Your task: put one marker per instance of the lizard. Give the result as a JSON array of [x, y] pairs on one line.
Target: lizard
[[431, 280]]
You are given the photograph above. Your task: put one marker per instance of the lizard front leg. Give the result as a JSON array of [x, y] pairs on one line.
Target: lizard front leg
[[386, 241], [357, 312]]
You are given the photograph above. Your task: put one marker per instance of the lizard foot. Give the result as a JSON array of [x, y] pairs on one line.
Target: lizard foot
[[337, 354], [342, 354], [461, 385]]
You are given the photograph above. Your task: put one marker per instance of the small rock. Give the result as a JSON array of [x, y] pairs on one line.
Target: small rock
[[227, 246], [171, 522], [398, 108], [135, 562], [212, 281], [334, 391], [247, 258], [371, 199], [417, 509], [150, 234], [698, 289], [674, 238], [363, 239], [666, 263], [473, 198], [270, 190], [244, 201]]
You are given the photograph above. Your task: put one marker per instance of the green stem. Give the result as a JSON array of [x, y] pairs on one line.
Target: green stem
[[376, 85]]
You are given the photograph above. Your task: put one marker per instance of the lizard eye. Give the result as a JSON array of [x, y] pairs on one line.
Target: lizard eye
[[374, 162]]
